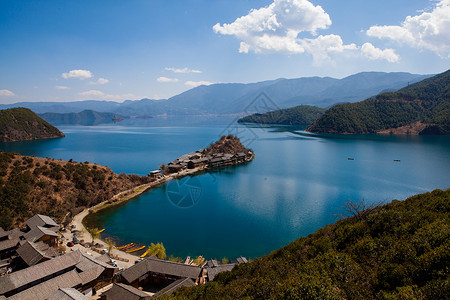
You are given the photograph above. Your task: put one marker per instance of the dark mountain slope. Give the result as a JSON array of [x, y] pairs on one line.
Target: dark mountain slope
[[18, 124]]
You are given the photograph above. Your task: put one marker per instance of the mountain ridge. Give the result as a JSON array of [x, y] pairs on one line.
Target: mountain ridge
[[234, 98]]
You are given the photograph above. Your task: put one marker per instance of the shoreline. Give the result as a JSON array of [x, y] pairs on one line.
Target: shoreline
[[123, 197]]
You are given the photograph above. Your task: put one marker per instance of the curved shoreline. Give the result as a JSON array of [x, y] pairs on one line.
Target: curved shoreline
[[123, 197]]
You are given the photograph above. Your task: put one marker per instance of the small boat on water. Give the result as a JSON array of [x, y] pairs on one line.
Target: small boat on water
[[397, 160], [145, 253], [100, 231], [126, 246], [350, 158], [134, 250]]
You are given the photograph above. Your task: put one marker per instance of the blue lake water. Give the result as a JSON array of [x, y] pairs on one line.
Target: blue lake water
[[296, 184]]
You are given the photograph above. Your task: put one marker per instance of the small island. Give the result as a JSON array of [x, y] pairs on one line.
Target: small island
[[228, 151]]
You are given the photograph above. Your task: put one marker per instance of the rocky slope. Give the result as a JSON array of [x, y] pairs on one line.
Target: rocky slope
[[30, 185]]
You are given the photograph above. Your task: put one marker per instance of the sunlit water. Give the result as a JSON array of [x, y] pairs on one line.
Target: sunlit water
[[296, 184]]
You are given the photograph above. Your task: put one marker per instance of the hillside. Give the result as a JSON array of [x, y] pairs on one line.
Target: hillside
[[18, 124], [31, 185], [233, 98], [299, 115], [85, 117], [421, 108], [395, 251]]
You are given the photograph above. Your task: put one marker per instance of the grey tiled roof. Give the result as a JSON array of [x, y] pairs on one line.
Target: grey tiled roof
[[121, 291], [183, 282], [213, 271], [67, 294], [41, 220], [45, 289], [160, 266], [37, 232]]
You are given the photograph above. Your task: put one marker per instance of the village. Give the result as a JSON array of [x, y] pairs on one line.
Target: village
[[36, 264]]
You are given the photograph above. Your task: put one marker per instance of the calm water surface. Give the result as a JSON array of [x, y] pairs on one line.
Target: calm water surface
[[295, 185]]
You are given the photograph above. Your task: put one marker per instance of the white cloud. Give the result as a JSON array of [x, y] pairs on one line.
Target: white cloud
[[6, 93], [197, 83], [80, 74], [373, 53], [62, 87], [166, 79], [276, 28], [100, 81], [184, 70], [92, 93], [99, 95], [429, 30]]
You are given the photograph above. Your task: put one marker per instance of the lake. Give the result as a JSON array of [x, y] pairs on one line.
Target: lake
[[296, 184]]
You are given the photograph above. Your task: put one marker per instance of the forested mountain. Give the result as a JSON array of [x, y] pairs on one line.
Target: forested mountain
[[396, 251], [421, 108], [234, 98], [18, 124], [299, 115], [86, 117]]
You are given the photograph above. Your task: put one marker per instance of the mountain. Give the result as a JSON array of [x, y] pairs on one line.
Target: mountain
[[299, 115], [31, 185], [421, 108], [396, 251], [86, 117], [236, 98], [18, 124]]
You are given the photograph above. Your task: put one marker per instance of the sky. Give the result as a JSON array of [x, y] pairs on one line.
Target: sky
[[134, 49]]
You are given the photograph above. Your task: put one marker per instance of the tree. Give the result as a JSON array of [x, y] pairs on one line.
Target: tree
[[158, 250], [111, 245], [94, 234], [163, 168]]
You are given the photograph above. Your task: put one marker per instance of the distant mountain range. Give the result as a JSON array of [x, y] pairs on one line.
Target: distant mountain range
[[86, 117], [234, 98], [421, 108]]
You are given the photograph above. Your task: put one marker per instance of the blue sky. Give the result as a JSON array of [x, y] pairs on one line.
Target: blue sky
[[118, 50]]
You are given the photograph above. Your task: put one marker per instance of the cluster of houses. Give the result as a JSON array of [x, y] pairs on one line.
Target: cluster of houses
[[32, 268], [201, 159]]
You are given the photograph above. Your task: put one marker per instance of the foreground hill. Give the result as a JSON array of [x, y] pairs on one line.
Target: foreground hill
[[32, 185], [299, 115], [86, 117], [421, 108], [395, 251], [18, 124], [232, 98]]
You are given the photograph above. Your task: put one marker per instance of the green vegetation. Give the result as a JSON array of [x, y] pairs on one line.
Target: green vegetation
[[399, 250], [30, 185], [17, 124], [86, 117], [158, 250], [423, 108], [299, 115]]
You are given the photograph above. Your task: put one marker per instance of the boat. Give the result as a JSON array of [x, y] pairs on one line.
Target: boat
[[397, 160], [145, 253], [126, 246], [100, 231], [350, 158], [134, 250]]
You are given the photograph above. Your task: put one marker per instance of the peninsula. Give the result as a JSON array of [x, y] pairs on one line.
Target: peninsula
[[19, 124]]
